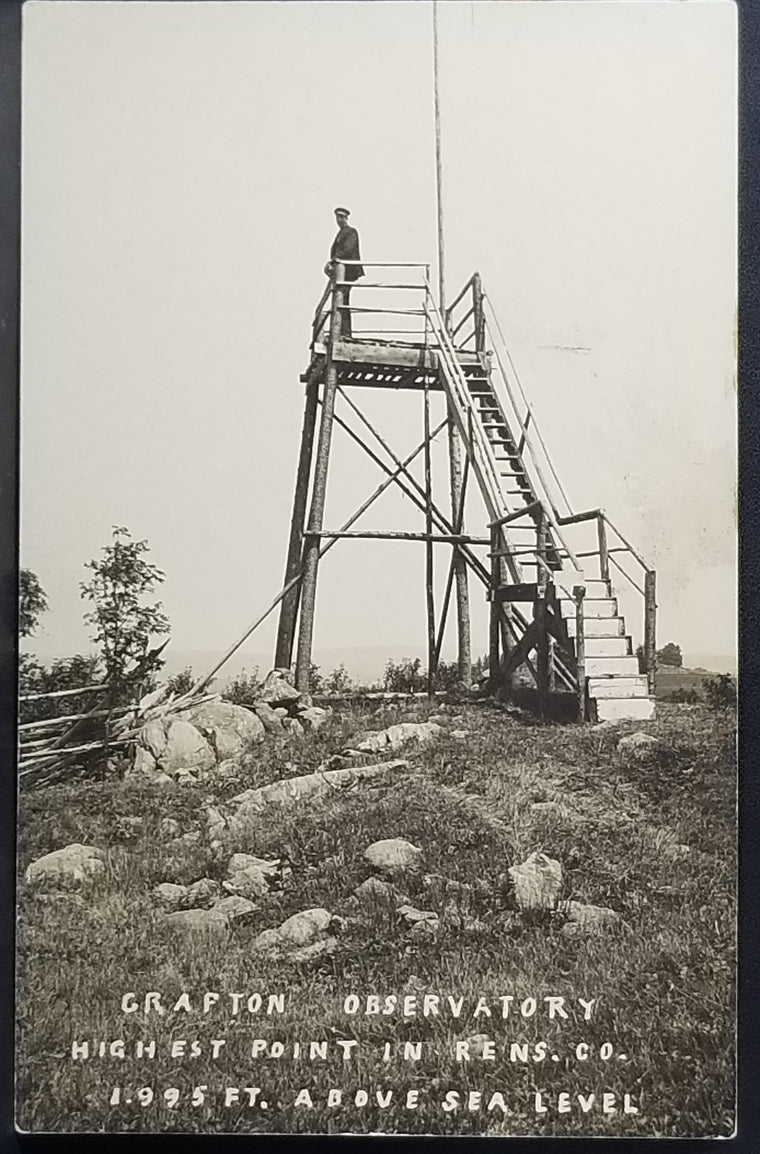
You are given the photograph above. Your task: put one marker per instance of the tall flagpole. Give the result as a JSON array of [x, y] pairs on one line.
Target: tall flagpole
[[464, 655]]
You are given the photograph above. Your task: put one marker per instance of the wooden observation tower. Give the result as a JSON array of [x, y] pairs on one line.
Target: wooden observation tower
[[545, 568]]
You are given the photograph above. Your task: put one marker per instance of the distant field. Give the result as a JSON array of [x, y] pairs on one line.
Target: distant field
[[670, 679]]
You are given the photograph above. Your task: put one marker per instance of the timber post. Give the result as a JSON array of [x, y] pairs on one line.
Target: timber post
[[316, 513], [604, 557], [540, 613], [580, 649], [650, 627], [495, 607], [289, 609]]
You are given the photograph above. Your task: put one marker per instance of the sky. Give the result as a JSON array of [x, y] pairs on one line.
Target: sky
[[180, 165]]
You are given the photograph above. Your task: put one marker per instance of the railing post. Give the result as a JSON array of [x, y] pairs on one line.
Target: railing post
[[495, 606], [650, 627], [477, 313], [540, 614], [580, 649], [604, 557]]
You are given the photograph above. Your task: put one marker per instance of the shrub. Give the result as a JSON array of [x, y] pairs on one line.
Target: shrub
[[244, 688], [720, 691], [683, 697]]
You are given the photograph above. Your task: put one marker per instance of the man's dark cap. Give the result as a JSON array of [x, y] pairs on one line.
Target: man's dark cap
[[345, 211]]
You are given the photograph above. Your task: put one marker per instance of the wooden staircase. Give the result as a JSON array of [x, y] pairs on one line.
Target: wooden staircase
[[604, 669]]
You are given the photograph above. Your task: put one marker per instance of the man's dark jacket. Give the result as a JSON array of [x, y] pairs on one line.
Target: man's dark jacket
[[346, 247]]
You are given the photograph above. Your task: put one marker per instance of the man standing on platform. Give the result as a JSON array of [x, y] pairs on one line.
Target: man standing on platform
[[345, 247]]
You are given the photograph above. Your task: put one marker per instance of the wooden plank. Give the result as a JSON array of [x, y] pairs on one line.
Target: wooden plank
[[525, 591]]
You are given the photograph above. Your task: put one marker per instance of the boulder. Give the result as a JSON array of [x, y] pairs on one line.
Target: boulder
[[197, 921], [636, 745], [152, 737], [169, 828], [293, 726], [186, 748], [253, 802], [280, 711], [248, 883], [584, 919], [144, 770], [233, 908], [319, 949], [277, 691], [204, 892], [394, 856], [375, 889], [244, 861], [296, 932], [412, 915], [170, 896], [215, 823], [395, 736], [312, 718], [425, 929], [228, 728], [537, 882], [69, 868], [269, 719]]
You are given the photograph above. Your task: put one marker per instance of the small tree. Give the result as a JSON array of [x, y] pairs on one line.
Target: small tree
[[32, 602], [123, 626], [339, 680], [670, 654]]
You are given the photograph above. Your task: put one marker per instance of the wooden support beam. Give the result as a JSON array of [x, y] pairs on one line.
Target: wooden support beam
[[522, 649], [495, 622], [522, 591], [604, 560], [289, 607], [319, 491], [452, 563], [650, 627], [372, 534], [580, 650], [540, 615], [429, 592]]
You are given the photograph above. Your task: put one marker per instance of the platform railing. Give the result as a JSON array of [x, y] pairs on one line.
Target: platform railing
[[402, 281]]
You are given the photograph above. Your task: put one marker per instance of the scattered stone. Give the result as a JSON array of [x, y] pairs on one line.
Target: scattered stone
[[228, 728], [215, 823], [412, 915], [244, 861], [293, 726], [270, 720], [198, 921], [446, 885], [253, 802], [169, 828], [185, 749], [312, 718], [395, 736], [537, 882], [296, 932], [277, 691], [152, 737], [636, 745], [171, 896], [228, 768], [280, 711], [204, 892], [460, 734], [425, 929], [375, 889], [611, 723], [394, 856], [68, 868], [318, 949], [249, 883], [185, 777], [233, 908], [145, 771], [584, 919]]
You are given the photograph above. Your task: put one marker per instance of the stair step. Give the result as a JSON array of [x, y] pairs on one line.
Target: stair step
[[618, 686], [601, 607], [619, 708], [598, 626], [608, 647], [612, 666]]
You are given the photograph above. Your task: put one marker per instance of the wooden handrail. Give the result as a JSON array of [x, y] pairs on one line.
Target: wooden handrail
[[457, 299], [514, 516]]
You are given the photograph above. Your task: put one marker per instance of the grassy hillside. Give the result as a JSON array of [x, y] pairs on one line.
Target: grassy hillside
[[652, 839]]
